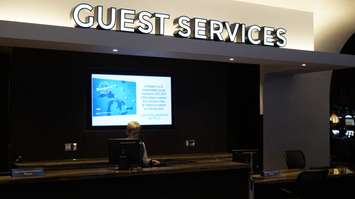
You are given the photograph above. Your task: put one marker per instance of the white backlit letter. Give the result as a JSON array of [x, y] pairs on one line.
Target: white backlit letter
[[183, 27], [111, 18], [251, 30], [199, 28], [123, 20], [89, 20], [280, 37], [215, 28], [267, 36], [232, 31], [144, 25], [160, 23]]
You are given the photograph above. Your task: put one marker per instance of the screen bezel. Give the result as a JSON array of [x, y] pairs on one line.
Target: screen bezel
[[88, 111]]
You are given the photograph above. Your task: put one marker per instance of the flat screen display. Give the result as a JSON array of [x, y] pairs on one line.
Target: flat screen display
[[118, 99], [349, 122]]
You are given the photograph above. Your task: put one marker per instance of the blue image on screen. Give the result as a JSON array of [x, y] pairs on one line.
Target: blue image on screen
[[113, 97]]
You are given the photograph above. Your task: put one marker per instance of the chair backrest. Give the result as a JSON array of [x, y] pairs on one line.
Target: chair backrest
[[295, 159], [311, 183]]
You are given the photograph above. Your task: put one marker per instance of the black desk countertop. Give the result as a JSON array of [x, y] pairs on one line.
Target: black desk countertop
[[290, 175], [82, 169], [338, 184]]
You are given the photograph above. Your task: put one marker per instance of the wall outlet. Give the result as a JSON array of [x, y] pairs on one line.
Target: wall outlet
[[67, 147], [190, 143], [74, 146], [71, 146]]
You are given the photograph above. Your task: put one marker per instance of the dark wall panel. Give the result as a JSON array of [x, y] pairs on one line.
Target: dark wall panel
[[4, 136], [50, 103], [244, 110]]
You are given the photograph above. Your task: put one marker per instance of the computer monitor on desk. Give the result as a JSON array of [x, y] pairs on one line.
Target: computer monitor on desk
[[124, 153]]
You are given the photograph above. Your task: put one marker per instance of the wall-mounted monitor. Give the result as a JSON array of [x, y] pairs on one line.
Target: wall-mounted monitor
[[119, 99], [349, 120]]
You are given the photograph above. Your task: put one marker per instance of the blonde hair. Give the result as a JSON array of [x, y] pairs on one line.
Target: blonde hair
[[133, 128], [133, 125]]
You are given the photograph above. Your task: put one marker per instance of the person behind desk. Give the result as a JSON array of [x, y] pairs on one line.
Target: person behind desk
[[134, 132]]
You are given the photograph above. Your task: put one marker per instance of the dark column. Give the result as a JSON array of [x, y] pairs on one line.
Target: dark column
[[4, 124], [244, 120]]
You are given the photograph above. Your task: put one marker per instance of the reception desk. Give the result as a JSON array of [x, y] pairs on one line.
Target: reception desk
[[338, 184], [180, 176]]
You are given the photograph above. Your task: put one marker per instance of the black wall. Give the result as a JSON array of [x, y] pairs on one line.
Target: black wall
[[342, 95], [4, 136], [243, 106], [214, 103]]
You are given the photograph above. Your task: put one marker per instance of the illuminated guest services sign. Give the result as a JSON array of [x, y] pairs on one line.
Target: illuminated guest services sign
[[128, 20]]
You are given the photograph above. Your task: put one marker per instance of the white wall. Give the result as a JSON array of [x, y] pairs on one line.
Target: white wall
[[296, 111], [54, 12]]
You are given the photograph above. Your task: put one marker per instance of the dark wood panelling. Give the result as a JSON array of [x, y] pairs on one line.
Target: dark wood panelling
[[50, 103], [4, 136]]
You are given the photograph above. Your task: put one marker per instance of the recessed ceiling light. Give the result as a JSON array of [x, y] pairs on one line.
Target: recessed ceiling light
[[231, 59], [303, 65], [115, 50]]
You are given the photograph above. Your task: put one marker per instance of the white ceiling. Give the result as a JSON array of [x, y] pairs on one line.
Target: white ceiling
[[334, 20]]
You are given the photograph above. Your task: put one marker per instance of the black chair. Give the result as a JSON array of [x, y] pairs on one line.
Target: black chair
[[295, 159], [309, 184]]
